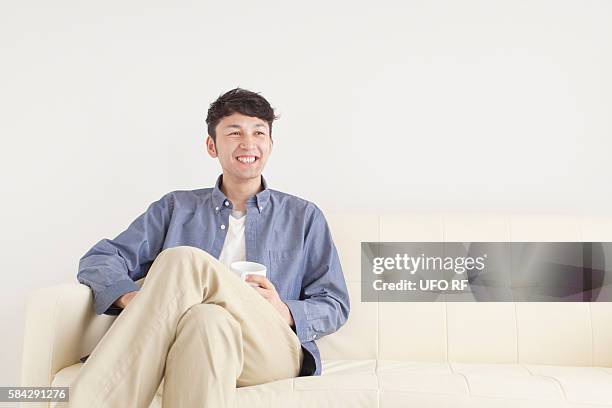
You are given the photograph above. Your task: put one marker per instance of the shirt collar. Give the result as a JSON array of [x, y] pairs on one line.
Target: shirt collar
[[259, 200]]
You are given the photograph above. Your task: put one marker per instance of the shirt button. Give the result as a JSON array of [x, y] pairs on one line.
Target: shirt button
[[227, 203], [314, 336], [216, 208], [222, 226], [261, 207]]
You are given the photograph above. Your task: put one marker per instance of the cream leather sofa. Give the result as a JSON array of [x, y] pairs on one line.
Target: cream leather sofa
[[401, 354]]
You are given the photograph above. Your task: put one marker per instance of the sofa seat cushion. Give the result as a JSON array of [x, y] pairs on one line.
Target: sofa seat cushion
[[492, 385], [386, 384], [346, 384]]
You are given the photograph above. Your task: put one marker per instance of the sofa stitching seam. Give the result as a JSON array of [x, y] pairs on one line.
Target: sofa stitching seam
[[553, 379], [516, 327], [592, 334], [51, 376], [467, 383]]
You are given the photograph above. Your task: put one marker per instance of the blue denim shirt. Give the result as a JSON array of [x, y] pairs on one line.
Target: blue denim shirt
[[287, 234]]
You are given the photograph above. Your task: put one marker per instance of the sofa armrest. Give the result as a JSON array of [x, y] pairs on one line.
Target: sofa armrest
[[60, 328]]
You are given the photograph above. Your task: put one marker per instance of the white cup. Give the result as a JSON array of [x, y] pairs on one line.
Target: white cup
[[244, 268]]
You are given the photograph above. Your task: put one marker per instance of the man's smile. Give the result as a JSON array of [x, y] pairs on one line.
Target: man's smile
[[247, 159]]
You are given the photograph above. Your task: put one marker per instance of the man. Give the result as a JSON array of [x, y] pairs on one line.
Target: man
[[194, 323]]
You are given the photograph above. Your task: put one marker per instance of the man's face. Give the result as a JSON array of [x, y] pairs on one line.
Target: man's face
[[243, 145]]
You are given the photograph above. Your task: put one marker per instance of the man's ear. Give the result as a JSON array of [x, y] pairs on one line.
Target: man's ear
[[211, 148]]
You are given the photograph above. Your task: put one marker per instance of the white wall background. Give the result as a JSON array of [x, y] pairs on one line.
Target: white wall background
[[411, 106]]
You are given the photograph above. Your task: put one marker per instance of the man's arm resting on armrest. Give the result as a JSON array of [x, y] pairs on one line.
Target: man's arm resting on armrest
[[111, 267]]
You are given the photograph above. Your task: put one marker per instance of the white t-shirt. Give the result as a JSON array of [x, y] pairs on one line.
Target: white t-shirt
[[234, 248]]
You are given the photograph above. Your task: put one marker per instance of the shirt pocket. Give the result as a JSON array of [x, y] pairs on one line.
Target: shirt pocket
[[285, 271]]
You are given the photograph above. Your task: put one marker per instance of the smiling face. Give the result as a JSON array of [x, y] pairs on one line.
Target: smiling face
[[243, 144]]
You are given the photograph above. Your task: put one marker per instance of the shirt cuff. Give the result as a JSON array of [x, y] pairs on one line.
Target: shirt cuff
[[103, 301], [298, 312]]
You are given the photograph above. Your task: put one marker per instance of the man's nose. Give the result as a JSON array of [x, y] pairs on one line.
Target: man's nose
[[248, 141]]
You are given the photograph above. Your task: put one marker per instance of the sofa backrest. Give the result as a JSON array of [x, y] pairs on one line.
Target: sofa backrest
[[563, 333]]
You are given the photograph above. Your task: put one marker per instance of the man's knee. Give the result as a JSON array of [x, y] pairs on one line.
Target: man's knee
[[183, 251], [184, 261], [209, 316]]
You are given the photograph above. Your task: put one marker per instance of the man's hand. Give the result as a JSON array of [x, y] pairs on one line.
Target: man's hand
[[123, 301], [268, 291]]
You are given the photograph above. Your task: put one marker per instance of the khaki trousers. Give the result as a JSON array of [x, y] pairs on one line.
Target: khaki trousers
[[198, 327]]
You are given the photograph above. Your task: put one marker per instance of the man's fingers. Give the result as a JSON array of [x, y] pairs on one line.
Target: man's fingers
[[267, 293], [261, 280]]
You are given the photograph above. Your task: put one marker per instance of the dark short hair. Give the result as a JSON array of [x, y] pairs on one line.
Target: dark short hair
[[242, 101]]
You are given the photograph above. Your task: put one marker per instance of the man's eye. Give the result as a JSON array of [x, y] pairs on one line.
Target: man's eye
[[235, 133], [260, 133]]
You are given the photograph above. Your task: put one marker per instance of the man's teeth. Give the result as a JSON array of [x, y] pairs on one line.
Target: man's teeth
[[246, 159]]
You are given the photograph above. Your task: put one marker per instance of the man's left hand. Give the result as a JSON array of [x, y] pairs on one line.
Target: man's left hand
[[268, 291]]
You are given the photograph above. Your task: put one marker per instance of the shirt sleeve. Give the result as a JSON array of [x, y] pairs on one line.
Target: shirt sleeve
[[111, 267], [324, 305]]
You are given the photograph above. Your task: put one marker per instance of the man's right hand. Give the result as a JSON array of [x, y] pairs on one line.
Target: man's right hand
[[123, 301]]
